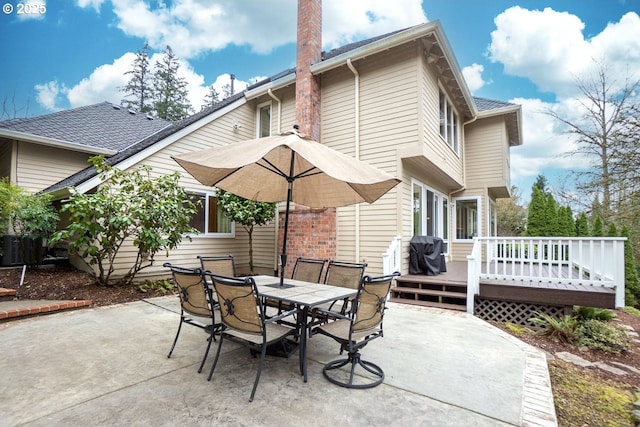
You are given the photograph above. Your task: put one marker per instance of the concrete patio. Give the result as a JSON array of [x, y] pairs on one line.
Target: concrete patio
[[108, 367]]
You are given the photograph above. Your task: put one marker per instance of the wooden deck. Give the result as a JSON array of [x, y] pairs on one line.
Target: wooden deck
[[448, 290]]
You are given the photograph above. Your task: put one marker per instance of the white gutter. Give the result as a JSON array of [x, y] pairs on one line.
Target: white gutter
[[274, 85], [356, 125], [53, 142], [270, 92]]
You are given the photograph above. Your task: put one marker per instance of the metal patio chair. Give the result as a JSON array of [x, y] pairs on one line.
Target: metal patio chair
[[354, 330], [222, 265], [244, 320], [198, 306]]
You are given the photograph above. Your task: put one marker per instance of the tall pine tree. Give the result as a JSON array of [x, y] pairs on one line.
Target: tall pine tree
[[582, 225], [536, 218], [138, 91], [170, 99]]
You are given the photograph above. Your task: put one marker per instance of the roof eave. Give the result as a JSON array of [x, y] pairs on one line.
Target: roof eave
[[508, 111], [52, 142], [398, 39], [274, 85]]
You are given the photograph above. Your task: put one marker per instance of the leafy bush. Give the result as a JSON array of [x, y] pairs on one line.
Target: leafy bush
[[593, 313], [163, 286], [565, 329], [603, 336]]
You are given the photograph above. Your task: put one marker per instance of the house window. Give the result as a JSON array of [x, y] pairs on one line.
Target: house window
[[466, 218], [430, 210], [449, 123], [210, 218], [264, 120]]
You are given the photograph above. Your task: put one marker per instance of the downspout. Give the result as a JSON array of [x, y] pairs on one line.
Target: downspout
[[356, 125], [279, 109], [270, 93]]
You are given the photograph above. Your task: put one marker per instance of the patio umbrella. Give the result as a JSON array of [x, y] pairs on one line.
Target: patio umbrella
[[288, 167]]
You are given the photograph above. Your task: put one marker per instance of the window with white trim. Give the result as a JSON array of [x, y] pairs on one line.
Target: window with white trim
[[449, 123], [263, 120], [210, 219], [430, 212], [467, 219]]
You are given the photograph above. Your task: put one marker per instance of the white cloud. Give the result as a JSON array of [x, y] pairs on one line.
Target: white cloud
[[473, 76], [545, 143], [48, 94], [95, 4], [194, 27], [102, 84], [549, 48]]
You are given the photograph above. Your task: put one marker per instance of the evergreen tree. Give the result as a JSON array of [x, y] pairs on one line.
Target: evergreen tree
[[612, 231], [541, 184], [211, 98], [632, 285], [582, 225], [567, 226], [536, 218], [598, 228], [138, 91], [552, 225], [170, 91]]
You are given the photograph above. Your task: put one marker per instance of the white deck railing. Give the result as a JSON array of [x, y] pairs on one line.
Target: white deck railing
[[593, 261], [392, 257]]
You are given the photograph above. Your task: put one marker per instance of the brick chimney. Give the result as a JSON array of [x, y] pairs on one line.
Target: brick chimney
[[309, 52]]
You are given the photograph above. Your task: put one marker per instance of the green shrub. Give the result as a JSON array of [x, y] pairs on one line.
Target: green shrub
[[162, 286], [565, 329], [603, 336], [593, 313]]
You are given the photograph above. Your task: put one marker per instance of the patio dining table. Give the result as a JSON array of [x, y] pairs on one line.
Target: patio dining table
[[304, 296]]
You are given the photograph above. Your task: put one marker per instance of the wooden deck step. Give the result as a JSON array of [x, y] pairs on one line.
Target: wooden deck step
[[435, 292], [442, 291], [429, 304]]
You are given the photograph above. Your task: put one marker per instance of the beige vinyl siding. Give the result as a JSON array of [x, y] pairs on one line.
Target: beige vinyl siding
[[218, 132], [388, 113], [40, 166], [435, 148], [487, 153]]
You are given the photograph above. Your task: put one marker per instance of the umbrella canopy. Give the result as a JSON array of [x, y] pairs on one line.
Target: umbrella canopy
[[260, 169], [288, 167]]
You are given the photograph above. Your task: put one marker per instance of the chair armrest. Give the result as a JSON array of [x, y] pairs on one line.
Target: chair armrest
[[281, 316]]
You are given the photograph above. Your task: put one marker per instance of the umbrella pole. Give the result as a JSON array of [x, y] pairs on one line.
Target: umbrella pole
[[283, 257]]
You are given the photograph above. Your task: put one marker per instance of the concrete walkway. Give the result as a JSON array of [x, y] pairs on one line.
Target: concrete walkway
[[108, 367]]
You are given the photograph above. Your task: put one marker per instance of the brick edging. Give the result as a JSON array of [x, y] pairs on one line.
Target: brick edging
[[44, 307]]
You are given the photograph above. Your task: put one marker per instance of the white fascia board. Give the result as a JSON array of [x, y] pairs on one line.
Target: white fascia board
[[138, 157], [52, 142], [274, 85], [399, 39]]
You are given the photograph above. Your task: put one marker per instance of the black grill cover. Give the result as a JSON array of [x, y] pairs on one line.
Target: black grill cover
[[426, 256]]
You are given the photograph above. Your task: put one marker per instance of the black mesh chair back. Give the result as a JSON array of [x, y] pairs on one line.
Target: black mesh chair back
[[244, 320], [197, 305], [223, 265], [345, 274], [308, 270]]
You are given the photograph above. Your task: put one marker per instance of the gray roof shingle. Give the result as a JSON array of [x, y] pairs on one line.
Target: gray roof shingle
[[100, 125], [484, 104]]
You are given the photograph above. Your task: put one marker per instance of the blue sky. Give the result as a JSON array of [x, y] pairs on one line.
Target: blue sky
[[75, 53]]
